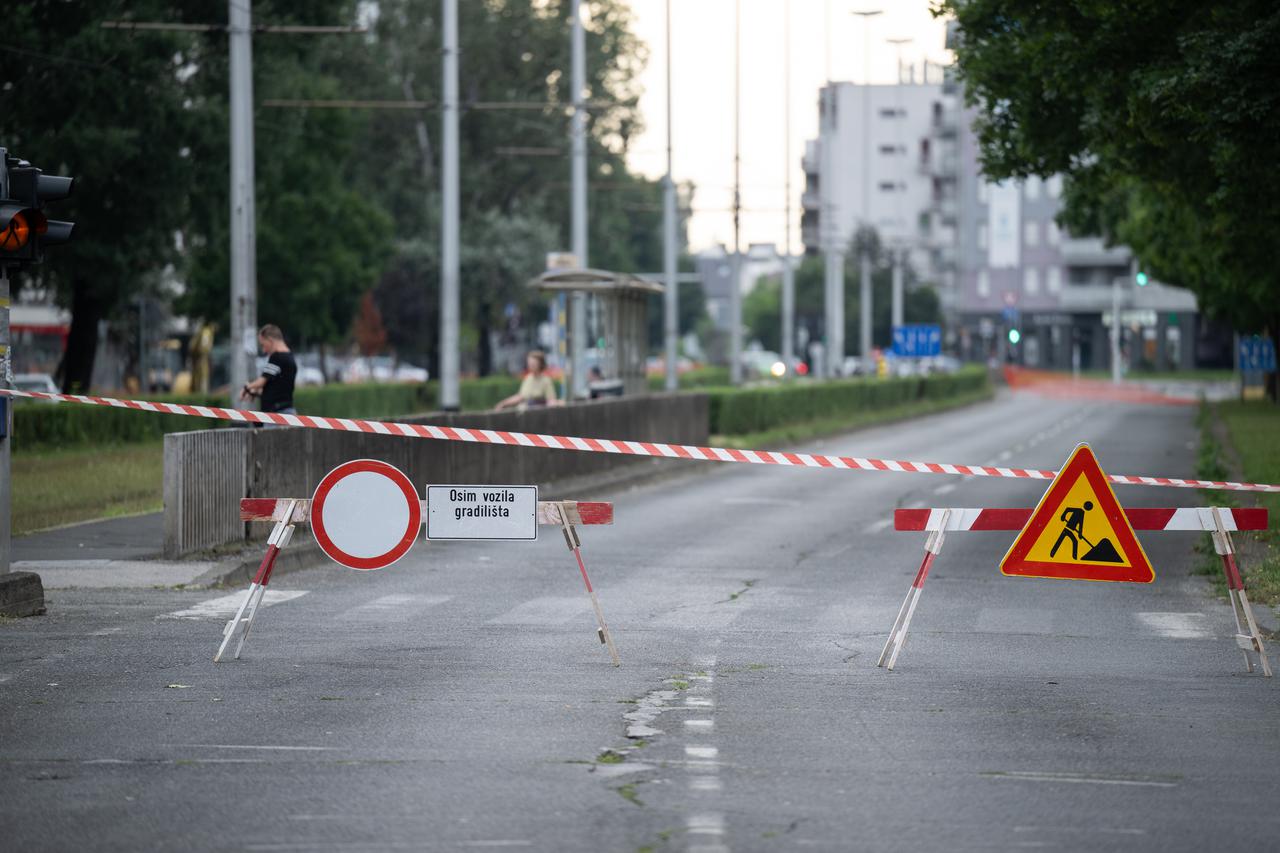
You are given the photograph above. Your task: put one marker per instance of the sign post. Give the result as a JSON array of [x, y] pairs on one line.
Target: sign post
[[366, 515]]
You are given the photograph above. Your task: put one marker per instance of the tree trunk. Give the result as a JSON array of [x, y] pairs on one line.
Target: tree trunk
[[485, 366], [76, 372]]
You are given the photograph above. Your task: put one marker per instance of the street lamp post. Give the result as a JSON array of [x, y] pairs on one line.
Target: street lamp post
[[864, 284], [897, 312], [671, 304], [788, 277]]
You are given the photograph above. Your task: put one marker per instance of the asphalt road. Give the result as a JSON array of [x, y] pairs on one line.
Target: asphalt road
[[460, 699]]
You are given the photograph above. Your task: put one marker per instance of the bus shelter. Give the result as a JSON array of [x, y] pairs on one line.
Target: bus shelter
[[616, 321]]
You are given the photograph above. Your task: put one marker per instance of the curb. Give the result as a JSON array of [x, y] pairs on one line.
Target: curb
[[303, 553], [21, 594]]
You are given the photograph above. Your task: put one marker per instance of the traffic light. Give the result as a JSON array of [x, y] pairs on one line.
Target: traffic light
[[25, 231], [1014, 336], [1141, 278]]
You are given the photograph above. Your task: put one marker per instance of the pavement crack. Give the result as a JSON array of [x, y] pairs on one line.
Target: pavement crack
[[734, 596]]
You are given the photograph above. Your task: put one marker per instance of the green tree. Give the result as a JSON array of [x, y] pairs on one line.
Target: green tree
[[762, 309], [111, 109], [1160, 114]]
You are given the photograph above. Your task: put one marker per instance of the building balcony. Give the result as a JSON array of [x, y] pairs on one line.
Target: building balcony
[[810, 201], [1092, 252]]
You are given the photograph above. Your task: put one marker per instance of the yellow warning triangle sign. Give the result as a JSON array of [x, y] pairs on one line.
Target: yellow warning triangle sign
[[1079, 531]]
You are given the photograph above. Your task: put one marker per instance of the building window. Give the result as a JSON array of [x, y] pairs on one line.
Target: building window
[[1053, 186], [1031, 233], [982, 235], [1053, 281], [892, 112], [1052, 233], [984, 190], [984, 283], [887, 186], [1033, 187], [1031, 280]]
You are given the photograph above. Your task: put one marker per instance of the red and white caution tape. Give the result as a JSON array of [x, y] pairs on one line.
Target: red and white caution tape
[[1142, 518], [627, 448]]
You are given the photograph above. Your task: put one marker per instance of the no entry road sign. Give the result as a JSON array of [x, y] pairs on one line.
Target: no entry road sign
[[1078, 531], [482, 512], [365, 514]]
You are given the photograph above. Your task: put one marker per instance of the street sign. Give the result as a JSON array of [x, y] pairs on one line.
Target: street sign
[[365, 514], [1257, 355], [1078, 531], [482, 512], [921, 339]]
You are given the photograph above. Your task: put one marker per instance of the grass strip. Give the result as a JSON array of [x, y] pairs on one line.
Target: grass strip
[[1251, 428], [56, 487]]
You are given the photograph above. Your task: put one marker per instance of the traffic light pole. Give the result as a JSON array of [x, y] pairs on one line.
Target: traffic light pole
[[578, 200], [244, 285], [6, 427], [450, 228]]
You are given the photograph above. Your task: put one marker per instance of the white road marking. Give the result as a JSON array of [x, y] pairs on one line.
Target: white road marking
[[700, 724], [545, 610], [697, 702], [104, 632], [706, 823], [399, 607], [227, 605], [250, 746], [703, 752], [878, 526], [1177, 626], [704, 783], [1077, 778]]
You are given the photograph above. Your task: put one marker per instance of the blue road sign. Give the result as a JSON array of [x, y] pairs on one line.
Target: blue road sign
[[921, 339], [1257, 355]]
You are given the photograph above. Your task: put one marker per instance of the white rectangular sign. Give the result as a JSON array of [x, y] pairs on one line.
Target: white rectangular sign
[[482, 512], [1004, 225]]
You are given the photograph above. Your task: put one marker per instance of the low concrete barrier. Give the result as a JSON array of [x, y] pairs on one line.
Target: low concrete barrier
[[207, 472]]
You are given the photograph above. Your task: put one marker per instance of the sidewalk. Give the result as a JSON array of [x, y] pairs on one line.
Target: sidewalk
[[126, 554]]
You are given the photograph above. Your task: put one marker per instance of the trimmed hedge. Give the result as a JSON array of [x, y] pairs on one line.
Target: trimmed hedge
[[737, 411], [698, 377], [38, 425], [734, 411]]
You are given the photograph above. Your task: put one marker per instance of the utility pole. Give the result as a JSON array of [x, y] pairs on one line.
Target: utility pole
[[671, 301], [864, 284], [897, 310], [788, 275], [735, 289], [244, 264], [6, 402], [833, 251], [578, 181], [449, 225]]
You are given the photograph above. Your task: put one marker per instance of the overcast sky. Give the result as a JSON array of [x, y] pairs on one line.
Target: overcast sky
[[702, 100]]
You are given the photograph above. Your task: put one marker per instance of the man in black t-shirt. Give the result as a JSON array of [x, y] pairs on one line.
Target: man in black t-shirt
[[275, 385]]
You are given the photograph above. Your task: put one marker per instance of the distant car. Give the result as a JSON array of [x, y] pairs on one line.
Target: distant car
[[383, 369], [42, 382]]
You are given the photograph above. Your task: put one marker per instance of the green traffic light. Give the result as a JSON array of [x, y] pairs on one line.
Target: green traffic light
[[1141, 278], [1014, 336]]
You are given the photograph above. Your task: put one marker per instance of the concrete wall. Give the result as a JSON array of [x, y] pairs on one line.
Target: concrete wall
[[206, 472]]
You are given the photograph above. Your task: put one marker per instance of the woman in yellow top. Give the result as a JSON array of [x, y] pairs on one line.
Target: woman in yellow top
[[537, 388]]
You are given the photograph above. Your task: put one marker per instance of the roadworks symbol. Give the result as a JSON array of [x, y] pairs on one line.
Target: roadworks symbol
[[1079, 531]]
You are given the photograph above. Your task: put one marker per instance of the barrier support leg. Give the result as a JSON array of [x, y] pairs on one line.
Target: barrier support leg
[[279, 538], [898, 634], [575, 545], [1252, 640]]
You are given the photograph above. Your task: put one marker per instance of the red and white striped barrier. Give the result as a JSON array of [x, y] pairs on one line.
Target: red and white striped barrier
[[627, 448], [286, 513], [1221, 522], [1142, 518]]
